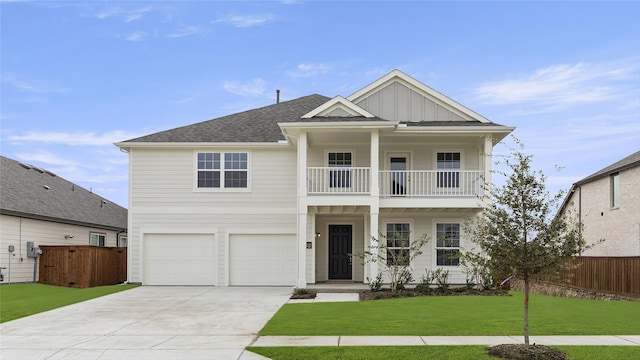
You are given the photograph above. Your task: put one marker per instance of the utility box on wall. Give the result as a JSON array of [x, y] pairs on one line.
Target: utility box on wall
[[32, 250]]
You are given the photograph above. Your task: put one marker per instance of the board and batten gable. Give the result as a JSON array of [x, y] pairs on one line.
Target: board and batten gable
[[165, 200], [397, 101]]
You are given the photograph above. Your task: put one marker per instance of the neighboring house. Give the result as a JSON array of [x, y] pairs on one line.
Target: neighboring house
[[283, 194], [608, 205], [39, 208]]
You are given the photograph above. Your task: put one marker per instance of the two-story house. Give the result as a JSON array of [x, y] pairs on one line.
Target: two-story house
[[607, 203], [284, 194]]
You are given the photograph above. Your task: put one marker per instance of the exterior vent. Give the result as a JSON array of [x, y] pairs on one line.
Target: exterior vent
[[26, 166], [41, 171], [50, 173]]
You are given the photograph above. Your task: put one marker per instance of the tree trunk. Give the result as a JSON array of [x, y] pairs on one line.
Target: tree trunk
[[526, 310]]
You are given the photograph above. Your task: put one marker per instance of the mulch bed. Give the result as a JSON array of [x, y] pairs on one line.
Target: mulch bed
[[526, 352], [388, 294]]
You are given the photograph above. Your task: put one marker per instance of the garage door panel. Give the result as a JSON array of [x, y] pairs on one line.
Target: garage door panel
[[262, 259], [180, 259]]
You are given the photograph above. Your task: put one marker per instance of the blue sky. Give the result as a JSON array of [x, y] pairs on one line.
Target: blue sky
[[78, 76]]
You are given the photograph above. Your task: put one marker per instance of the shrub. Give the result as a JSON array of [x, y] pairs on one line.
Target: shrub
[[404, 278], [375, 284]]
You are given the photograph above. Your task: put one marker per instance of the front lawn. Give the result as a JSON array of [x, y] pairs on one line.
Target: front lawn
[[458, 315], [20, 300], [432, 352]]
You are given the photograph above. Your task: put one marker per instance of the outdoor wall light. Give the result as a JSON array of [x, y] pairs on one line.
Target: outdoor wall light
[[317, 234]]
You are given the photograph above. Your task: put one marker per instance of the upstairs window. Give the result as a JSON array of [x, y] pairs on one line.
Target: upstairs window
[[447, 244], [615, 190], [339, 178], [97, 239], [222, 170], [449, 162]]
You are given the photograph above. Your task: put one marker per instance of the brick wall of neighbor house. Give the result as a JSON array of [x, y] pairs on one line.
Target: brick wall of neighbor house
[[17, 231], [620, 227]]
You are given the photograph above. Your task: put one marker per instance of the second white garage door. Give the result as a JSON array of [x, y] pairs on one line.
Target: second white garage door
[[180, 259], [262, 259]]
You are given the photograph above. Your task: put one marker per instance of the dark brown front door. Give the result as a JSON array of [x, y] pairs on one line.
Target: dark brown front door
[[340, 237]]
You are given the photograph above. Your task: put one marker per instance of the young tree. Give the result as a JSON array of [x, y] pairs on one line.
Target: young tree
[[518, 230], [395, 253]]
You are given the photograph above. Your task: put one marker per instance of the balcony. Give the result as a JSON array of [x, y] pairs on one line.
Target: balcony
[[336, 180], [431, 183], [413, 183]]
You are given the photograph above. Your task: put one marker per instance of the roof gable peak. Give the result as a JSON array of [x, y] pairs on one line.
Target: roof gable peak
[[338, 106], [397, 76]]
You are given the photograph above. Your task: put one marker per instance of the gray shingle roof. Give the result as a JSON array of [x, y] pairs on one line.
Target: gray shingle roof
[[628, 162], [261, 125], [256, 125], [35, 193]]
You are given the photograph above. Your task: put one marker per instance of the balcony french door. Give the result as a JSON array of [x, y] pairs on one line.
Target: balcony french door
[[398, 166]]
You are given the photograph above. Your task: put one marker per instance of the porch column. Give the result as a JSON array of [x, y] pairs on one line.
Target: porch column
[[374, 208], [375, 164], [373, 232], [488, 155], [302, 211]]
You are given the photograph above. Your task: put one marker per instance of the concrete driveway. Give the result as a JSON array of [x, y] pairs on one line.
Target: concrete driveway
[[173, 322]]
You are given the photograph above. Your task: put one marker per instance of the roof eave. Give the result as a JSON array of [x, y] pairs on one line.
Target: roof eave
[[129, 145]]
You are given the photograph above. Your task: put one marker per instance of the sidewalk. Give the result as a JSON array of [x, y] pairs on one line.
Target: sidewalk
[[608, 340]]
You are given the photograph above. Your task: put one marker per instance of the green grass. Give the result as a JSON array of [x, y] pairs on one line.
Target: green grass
[[20, 300], [432, 352], [458, 315]]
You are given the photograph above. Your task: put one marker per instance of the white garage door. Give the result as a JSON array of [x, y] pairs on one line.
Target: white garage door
[[180, 259], [262, 260]]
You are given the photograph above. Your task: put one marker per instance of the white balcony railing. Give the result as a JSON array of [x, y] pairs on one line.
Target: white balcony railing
[[337, 180], [431, 183], [415, 183]]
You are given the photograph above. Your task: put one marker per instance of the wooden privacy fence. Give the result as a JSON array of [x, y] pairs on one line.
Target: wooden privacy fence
[[82, 266], [620, 275]]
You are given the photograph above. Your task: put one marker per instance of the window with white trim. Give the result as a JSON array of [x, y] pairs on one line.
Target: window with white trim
[[339, 178], [97, 239], [448, 162], [222, 170], [447, 244], [398, 242], [615, 190]]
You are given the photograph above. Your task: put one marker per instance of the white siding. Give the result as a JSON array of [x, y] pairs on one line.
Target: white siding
[[17, 231], [163, 197]]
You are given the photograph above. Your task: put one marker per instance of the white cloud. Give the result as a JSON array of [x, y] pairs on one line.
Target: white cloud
[[136, 36], [255, 87], [308, 70], [74, 139], [123, 14], [186, 31], [33, 86], [47, 158], [246, 20], [560, 86]]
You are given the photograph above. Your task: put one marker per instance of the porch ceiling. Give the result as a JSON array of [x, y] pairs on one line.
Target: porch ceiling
[[339, 209], [426, 211]]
